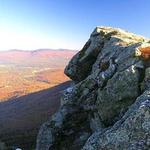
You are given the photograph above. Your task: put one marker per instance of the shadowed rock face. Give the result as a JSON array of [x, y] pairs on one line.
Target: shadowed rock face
[[109, 105]]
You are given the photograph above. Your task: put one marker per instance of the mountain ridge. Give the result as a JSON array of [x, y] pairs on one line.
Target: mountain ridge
[[41, 49]]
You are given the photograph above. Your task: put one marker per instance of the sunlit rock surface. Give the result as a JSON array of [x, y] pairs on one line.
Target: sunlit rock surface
[[108, 107]]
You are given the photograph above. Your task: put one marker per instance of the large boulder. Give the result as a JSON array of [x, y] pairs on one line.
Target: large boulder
[[108, 106]]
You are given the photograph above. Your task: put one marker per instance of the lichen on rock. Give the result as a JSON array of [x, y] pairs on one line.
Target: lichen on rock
[[108, 107]]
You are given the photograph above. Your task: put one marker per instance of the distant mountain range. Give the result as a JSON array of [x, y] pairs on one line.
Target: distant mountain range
[[51, 57]]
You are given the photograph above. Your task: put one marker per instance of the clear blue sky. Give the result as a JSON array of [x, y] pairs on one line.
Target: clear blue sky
[[31, 24]]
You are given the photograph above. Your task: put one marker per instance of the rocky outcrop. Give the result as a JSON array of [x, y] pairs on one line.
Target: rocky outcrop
[[108, 107]]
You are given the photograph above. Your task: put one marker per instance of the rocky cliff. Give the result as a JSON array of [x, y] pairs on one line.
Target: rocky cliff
[[108, 108]]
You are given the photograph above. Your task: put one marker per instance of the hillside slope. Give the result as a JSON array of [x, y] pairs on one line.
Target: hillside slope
[[109, 106], [24, 72], [21, 118]]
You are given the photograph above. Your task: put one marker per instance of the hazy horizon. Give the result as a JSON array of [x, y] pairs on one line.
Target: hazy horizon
[[36, 24], [39, 49]]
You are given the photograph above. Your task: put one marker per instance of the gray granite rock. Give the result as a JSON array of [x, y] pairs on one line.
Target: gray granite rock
[[131, 132], [108, 106]]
